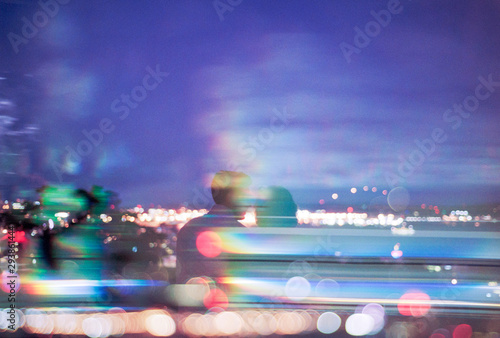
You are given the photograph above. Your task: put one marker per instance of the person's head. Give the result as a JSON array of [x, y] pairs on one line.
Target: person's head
[[231, 189], [277, 209]]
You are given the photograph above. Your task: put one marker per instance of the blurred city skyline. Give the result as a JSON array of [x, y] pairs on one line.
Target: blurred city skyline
[[149, 100]]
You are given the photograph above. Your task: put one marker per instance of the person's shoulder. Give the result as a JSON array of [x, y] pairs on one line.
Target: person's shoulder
[[195, 222], [210, 220]]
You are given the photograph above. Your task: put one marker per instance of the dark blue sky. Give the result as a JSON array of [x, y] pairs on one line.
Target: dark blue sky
[[289, 92]]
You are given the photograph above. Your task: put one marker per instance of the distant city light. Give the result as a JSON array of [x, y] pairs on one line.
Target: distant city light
[[335, 196], [354, 190]]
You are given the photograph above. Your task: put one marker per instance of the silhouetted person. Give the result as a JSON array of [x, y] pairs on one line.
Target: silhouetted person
[[48, 248], [89, 202], [230, 193], [277, 209]]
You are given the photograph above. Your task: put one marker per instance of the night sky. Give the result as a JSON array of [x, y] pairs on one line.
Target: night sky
[[150, 98]]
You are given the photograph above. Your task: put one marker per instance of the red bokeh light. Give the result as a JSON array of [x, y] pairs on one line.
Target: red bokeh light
[[215, 298], [418, 309], [462, 331], [350, 209], [209, 244]]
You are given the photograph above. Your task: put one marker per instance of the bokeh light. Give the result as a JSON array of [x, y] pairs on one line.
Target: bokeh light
[[228, 323], [38, 322], [199, 287], [398, 199], [327, 288], [159, 324], [209, 244], [377, 312], [462, 331], [297, 288], [265, 324], [414, 304], [7, 278], [215, 298], [92, 327], [328, 322], [359, 324]]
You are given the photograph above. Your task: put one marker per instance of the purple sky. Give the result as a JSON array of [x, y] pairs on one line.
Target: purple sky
[[287, 91]]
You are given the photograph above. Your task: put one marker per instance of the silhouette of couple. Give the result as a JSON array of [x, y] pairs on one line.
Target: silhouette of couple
[[232, 197]]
